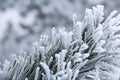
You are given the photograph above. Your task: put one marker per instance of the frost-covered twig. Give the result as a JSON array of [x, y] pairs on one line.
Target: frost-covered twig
[[91, 51]]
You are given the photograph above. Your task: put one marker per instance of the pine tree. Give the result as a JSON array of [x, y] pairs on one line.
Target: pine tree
[[91, 51]]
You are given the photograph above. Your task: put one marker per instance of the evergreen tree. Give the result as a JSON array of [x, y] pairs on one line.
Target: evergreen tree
[[91, 51]]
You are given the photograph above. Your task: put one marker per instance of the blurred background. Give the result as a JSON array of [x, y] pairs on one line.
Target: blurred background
[[23, 21]]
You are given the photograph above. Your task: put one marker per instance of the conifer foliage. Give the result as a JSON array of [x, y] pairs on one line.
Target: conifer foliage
[[91, 51]]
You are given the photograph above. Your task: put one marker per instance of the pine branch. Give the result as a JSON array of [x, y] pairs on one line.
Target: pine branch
[[89, 52]]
